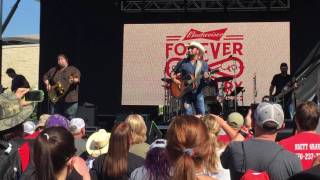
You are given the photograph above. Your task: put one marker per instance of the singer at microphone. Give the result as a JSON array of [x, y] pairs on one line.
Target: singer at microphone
[[195, 69]]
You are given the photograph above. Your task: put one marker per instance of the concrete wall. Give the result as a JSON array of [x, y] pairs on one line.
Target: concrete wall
[[24, 59]]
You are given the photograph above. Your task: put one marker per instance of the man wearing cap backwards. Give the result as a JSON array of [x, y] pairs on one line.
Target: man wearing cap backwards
[[69, 77], [194, 66], [262, 153], [77, 128], [279, 81]]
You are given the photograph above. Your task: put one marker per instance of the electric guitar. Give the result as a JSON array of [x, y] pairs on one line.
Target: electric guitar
[[285, 90], [58, 91], [186, 85]]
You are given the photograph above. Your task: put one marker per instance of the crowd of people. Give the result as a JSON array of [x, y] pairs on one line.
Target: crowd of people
[[194, 147]]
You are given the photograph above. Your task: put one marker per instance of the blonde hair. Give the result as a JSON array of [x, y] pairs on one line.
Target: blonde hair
[[138, 128], [214, 129]]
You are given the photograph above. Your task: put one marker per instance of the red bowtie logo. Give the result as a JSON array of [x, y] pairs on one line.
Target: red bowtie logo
[[211, 35]]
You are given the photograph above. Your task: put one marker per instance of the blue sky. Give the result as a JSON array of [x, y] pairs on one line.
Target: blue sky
[[26, 19]]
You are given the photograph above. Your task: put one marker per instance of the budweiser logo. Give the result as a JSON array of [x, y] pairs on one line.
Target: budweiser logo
[[211, 35]]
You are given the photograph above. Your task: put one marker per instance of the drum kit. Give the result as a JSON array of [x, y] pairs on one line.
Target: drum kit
[[216, 99]]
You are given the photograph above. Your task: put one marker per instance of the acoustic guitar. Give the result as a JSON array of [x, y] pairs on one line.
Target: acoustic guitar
[[186, 85]]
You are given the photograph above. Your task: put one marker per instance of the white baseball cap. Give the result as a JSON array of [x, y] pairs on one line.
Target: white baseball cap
[[76, 124], [29, 127], [158, 143], [267, 112]]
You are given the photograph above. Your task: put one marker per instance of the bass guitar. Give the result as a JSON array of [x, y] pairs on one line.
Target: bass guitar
[[285, 90]]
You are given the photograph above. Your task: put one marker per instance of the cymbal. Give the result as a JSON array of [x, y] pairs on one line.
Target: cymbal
[[166, 80], [223, 78]]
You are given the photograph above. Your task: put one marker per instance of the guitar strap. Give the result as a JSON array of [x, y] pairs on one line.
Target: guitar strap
[[197, 71], [51, 82], [177, 67]]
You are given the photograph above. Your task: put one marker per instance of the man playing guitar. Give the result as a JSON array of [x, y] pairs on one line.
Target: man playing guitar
[[62, 83], [192, 69], [281, 82]]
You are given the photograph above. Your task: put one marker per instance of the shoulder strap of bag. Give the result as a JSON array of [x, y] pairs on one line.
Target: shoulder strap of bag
[[244, 165], [274, 157], [244, 158]]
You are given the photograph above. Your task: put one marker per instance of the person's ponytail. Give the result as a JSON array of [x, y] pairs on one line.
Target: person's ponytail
[[42, 159], [51, 151], [213, 157], [188, 146], [184, 168]]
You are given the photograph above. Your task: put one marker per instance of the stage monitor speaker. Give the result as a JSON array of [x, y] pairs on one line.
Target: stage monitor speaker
[[88, 113], [243, 110], [90, 130]]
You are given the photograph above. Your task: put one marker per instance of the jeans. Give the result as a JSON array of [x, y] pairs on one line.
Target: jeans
[[67, 109], [288, 108], [195, 99]]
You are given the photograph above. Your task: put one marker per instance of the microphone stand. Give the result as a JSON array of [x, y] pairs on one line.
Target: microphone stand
[[221, 94], [255, 93], [165, 103], [242, 91], [235, 86]]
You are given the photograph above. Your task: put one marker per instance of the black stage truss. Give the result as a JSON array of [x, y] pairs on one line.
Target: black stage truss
[[137, 6]]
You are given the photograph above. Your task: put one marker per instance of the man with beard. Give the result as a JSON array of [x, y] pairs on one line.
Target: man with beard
[[62, 83], [192, 68], [282, 83]]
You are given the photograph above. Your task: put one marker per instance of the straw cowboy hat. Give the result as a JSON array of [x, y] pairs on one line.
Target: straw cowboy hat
[[98, 143], [197, 45], [42, 120]]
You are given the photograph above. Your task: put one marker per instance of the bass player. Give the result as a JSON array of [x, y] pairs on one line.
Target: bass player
[[62, 83], [188, 69], [282, 82]]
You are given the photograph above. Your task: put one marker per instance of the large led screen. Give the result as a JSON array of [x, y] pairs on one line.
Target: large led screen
[[249, 52]]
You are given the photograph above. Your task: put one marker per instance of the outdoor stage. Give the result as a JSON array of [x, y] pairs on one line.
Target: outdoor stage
[[123, 55]]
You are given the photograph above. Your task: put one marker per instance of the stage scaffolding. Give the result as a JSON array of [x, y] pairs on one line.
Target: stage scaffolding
[[138, 6]]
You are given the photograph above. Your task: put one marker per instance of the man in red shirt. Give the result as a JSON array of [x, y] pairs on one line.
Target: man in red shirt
[[306, 143]]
